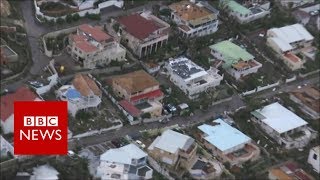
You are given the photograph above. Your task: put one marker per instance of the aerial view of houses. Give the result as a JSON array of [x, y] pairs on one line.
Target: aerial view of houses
[[163, 90]]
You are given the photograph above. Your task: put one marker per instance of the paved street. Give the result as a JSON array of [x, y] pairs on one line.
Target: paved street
[[199, 116]]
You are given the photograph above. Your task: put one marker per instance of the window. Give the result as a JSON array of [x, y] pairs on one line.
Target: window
[[315, 157]]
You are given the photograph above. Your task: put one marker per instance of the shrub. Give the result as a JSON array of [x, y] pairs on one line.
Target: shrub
[[60, 21], [76, 17], [69, 18]]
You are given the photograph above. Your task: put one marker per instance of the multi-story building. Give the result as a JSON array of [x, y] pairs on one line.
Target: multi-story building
[[127, 162], [91, 46], [83, 93], [194, 19], [314, 158], [285, 127], [288, 41], [173, 149], [191, 78], [140, 93], [235, 147], [236, 61], [6, 109], [143, 32], [308, 99], [247, 12]]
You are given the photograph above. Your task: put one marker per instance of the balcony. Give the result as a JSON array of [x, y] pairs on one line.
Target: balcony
[[247, 153], [189, 152]]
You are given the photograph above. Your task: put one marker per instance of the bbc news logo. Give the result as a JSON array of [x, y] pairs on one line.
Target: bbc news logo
[[40, 128]]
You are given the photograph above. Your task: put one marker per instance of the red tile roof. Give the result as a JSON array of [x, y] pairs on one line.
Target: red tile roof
[[78, 38], [130, 108], [292, 57], [95, 32], [153, 94], [7, 101], [138, 26], [86, 47]]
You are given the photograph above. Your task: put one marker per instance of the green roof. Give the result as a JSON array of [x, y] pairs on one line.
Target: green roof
[[238, 7], [231, 52]]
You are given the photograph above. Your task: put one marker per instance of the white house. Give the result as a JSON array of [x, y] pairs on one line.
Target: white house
[[236, 60], [194, 19], [247, 12], [191, 78], [227, 148], [91, 46], [127, 162], [314, 158], [6, 109], [83, 93], [285, 127], [287, 41]]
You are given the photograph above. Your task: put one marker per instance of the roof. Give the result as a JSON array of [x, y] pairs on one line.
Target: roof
[[95, 32], [123, 155], [7, 101], [232, 52], [283, 45], [231, 136], [134, 23], [316, 149], [135, 81], [190, 12], [45, 172], [309, 96], [153, 94], [186, 69], [290, 171], [292, 33], [85, 85], [130, 108], [234, 6], [86, 46], [171, 141], [280, 118]]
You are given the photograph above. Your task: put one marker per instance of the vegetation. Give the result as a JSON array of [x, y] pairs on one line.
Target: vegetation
[[93, 16], [146, 116], [75, 169]]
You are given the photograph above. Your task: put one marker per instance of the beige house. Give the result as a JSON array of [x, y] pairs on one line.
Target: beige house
[[174, 149], [140, 93], [91, 46], [194, 19], [143, 32], [288, 41]]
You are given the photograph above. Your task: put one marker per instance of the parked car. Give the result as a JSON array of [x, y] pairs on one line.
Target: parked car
[[140, 144]]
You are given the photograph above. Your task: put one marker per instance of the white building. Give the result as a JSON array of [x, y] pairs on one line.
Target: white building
[[285, 127], [314, 158], [194, 19], [91, 46], [6, 108], [143, 32], [247, 12], [127, 162], [44, 172], [236, 60], [288, 41], [83, 93], [191, 78], [227, 148]]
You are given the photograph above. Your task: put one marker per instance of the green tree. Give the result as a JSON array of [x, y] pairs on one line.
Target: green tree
[[51, 22], [69, 18], [60, 21], [146, 115], [76, 17]]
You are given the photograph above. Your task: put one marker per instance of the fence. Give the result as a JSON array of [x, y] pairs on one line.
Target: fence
[[81, 13], [259, 88], [291, 79], [90, 133], [310, 73]]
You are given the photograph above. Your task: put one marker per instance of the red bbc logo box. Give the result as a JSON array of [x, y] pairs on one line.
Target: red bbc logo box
[[40, 128]]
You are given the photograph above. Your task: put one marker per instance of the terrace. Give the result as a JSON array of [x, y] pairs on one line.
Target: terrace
[[244, 154]]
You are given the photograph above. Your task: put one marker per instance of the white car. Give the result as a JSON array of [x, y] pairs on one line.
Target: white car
[[299, 87], [140, 144]]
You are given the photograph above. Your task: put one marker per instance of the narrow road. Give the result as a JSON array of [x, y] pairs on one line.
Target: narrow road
[[200, 116]]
